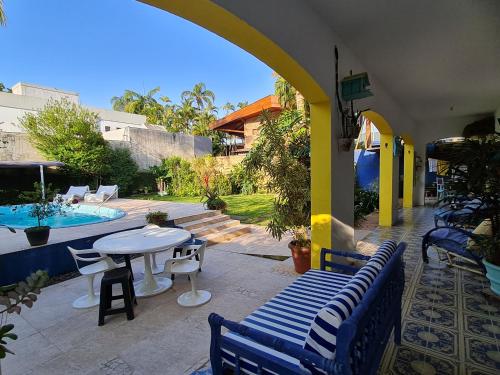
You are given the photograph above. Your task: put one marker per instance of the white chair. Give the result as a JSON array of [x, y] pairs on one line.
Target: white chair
[[188, 265], [102, 194], [74, 192], [102, 264]]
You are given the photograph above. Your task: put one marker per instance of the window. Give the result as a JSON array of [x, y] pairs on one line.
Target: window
[[107, 128]]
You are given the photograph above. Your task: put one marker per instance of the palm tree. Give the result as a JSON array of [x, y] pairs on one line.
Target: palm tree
[[133, 102], [183, 116], [201, 125], [228, 107], [3, 17], [285, 92], [199, 95], [241, 105], [3, 88]]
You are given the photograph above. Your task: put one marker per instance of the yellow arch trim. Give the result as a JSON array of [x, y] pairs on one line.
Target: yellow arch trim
[[385, 217], [409, 168], [225, 24]]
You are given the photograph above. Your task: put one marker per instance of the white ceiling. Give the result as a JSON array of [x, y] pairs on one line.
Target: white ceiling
[[438, 58]]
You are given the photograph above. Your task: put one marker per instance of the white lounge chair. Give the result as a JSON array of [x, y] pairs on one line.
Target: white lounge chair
[[74, 192], [103, 194]]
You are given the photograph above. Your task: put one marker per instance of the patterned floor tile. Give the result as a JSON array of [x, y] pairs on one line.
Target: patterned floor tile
[[474, 370], [409, 361], [433, 295], [442, 283], [480, 305], [473, 289], [430, 338], [474, 278], [482, 326], [438, 315], [483, 352]]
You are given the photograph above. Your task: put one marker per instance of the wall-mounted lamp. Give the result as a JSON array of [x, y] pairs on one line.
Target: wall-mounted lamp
[[354, 87]]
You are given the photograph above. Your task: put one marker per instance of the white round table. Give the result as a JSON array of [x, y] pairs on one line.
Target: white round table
[[144, 241]]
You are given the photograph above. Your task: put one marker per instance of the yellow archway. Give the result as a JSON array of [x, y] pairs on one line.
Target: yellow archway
[[386, 175], [409, 168], [223, 23]]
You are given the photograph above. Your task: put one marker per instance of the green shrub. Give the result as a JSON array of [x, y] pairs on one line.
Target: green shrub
[[179, 177], [365, 202], [122, 170], [157, 218], [223, 184], [144, 182], [243, 182], [216, 204]]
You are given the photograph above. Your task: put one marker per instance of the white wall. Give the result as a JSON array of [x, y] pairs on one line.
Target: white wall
[[14, 106]]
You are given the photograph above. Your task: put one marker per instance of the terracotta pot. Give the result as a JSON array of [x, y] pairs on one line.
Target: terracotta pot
[[301, 257]]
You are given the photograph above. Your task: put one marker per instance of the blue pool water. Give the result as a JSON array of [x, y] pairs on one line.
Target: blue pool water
[[71, 216]]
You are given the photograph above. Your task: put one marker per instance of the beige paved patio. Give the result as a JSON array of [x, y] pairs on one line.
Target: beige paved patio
[[164, 338]]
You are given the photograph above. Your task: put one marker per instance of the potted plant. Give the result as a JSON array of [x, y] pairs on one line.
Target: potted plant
[[11, 299], [159, 218], [301, 250], [208, 172], [41, 209], [474, 172], [281, 153]]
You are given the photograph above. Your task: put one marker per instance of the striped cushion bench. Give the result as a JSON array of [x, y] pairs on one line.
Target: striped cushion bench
[[279, 337], [289, 314]]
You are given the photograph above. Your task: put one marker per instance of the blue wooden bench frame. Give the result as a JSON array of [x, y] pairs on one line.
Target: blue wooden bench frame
[[361, 339]]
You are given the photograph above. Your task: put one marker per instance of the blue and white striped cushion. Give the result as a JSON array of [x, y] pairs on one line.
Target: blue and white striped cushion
[[322, 336], [290, 314], [383, 254]]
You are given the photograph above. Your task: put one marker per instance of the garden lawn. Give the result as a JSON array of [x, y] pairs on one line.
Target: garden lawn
[[249, 209]]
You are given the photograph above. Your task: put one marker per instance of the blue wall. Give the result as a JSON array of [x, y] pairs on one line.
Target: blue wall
[[367, 168]]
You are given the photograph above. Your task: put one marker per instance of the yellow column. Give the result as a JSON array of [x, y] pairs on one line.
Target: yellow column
[[409, 166], [385, 182], [321, 203]]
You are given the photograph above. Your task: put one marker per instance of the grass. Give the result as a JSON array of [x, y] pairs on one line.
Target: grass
[[249, 209]]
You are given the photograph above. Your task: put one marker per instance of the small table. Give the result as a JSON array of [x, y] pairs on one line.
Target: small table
[[144, 241]]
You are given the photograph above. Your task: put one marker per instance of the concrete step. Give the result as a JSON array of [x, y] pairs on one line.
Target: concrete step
[[196, 224], [215, 227], [227, 234], [187, 219]]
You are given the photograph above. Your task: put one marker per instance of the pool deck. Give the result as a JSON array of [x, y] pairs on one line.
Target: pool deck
[[136, 210]]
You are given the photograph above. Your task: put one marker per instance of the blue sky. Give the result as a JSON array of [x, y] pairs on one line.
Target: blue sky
[[99, 48]]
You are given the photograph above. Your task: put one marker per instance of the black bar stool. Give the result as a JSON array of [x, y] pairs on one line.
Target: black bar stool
[[121, 276]]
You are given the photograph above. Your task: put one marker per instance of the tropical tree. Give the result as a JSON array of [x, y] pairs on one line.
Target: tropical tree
[[182, 117], [69, 133], [241, 105], [3, 17], [133, 102], [228, 107], [285, 92], [201, 125], [3, 88], [280, 153], [199, 95]]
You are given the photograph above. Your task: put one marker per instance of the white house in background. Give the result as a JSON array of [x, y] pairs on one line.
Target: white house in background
[[27, 97]]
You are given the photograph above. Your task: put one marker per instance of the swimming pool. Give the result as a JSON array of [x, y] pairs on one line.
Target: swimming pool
[[70, 216]]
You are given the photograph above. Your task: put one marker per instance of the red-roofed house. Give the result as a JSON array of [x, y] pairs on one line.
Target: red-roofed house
[[244, 123]]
